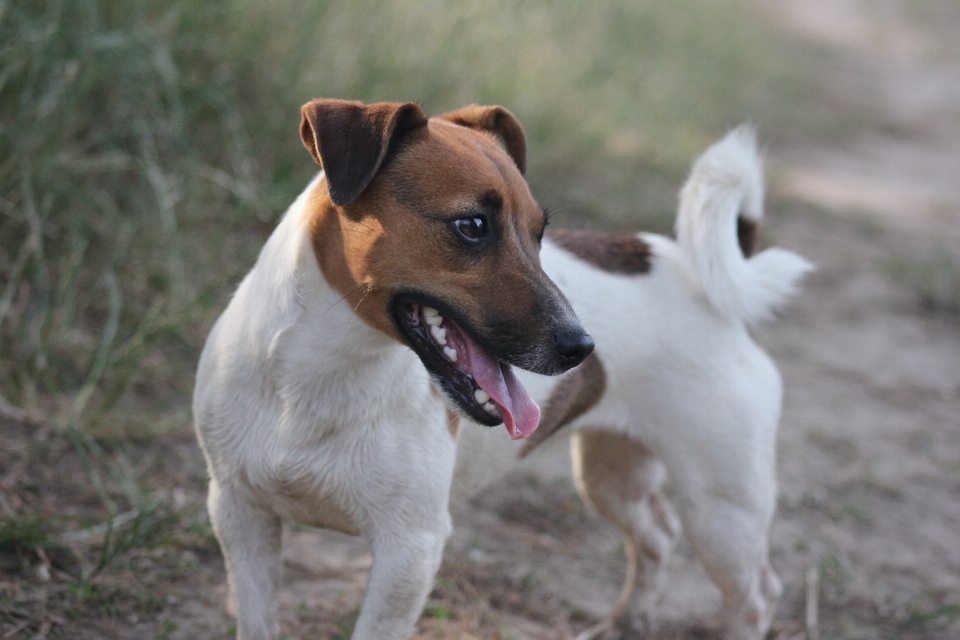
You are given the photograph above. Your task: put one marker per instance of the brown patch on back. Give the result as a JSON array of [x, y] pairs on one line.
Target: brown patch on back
[[625, 254], [571, 398], [746, 236]]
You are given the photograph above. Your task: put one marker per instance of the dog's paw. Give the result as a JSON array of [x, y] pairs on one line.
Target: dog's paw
[[598, 631], [623, 627]]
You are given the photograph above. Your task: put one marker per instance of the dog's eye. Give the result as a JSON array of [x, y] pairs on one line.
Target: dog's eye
[[472, 229]]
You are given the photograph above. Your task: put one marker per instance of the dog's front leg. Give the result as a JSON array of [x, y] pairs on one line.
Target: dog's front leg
[[400, 580], [249, 536], [404, 495]]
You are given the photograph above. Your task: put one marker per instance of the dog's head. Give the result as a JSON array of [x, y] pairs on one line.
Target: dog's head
[[428, 229]]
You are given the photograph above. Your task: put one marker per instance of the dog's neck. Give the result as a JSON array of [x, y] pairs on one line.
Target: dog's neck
[[322, 351]]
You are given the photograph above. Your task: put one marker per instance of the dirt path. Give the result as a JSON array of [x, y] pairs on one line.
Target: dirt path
[[902, 67]]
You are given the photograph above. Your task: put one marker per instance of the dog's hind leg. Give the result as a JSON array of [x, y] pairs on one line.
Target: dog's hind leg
[[730, 537], [726, 497], [250, 538], [621, 479]]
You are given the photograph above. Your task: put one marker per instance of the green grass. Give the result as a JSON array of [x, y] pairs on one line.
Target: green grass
[[22, 534], [437, 611], [344, 624], [147, 148]]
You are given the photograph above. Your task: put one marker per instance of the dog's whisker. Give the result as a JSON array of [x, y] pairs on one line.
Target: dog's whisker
[[342, 299], [369, 289]]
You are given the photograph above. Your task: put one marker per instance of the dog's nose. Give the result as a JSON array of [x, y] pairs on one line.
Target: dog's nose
[[573, 346]]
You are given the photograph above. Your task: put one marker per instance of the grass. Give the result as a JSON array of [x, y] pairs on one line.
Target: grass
[[18, 535], [86, 544], [344, 625]]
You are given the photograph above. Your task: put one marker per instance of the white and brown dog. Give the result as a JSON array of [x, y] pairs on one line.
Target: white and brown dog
[[385, 314]]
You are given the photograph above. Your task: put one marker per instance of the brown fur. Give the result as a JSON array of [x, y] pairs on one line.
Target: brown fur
[[495, 120], [571, 398], [621, 479], [357, 137], [453, 423], [395, 234], [626, 254]]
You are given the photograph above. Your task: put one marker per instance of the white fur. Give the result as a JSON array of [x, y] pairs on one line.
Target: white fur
[[727, 181], [305, 412]]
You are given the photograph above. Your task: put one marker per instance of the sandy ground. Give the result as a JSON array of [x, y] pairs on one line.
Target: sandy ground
[[869, 452]]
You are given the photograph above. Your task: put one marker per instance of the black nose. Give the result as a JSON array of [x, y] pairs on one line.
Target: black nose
[[573, 346]]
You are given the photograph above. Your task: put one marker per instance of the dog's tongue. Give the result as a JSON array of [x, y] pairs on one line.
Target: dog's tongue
[[520, 413]]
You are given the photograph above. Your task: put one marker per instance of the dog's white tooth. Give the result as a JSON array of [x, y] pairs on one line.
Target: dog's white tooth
[[430, 311], [481, 396], [439, 335], [433, 321], [491, 409], [450, 353]]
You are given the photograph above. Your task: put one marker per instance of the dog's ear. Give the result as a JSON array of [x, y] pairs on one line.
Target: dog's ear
[[498, 121], [350, 139]]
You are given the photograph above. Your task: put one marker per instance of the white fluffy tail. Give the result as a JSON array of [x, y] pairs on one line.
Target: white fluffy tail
[[726, 184]]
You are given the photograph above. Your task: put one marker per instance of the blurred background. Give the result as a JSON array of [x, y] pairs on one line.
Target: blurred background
[[147, 149]]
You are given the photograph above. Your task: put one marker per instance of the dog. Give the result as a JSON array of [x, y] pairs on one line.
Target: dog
[[410, 295]]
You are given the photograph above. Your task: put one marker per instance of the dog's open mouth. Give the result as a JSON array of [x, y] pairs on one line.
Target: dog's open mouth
[[482, 386]]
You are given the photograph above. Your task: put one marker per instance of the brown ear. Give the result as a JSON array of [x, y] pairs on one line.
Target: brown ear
[[350, 139], [499, 121]]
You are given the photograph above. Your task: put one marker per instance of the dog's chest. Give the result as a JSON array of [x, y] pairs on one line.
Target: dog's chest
[[344, 436]]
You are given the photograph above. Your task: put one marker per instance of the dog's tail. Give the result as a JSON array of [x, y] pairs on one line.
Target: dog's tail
[[720, 206]]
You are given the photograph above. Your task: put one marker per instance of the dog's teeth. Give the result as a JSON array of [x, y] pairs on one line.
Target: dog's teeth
[[491, 409], [433, 321], [430, 311], [439, 335], [481, 396], [450, 353]]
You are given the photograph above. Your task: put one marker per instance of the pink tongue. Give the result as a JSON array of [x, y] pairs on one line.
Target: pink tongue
[[520, 413]]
